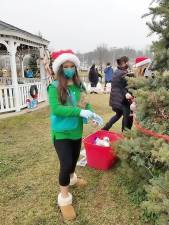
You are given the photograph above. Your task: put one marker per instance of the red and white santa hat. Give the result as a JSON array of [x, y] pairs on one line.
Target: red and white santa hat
[[63, 56], [141, 61]]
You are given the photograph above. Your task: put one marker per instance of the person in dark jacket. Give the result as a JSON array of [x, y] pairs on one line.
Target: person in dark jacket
[[119, 97], [99, 75], [93, 77], [108, 71]]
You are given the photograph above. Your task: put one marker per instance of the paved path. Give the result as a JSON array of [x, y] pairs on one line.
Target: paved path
[[23, 111]]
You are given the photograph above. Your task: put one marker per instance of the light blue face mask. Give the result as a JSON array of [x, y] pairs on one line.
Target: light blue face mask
[[69, 72]]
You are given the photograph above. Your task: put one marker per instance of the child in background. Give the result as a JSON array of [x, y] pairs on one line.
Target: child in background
[[32, 102]]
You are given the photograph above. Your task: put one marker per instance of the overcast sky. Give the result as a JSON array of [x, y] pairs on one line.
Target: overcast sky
[[81, 24]]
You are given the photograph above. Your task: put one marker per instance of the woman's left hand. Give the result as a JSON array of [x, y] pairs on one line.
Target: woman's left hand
[[97, 119], [94, 124]]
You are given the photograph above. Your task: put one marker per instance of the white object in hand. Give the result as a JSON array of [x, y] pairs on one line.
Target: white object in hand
[[97, 119], [86, 114], [133, 107], [128, 96]]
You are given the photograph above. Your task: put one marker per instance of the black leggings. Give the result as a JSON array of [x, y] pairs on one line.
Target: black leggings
[[127, 120], [68, 153]]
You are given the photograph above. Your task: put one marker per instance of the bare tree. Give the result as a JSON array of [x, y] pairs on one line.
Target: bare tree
[[101, 55]]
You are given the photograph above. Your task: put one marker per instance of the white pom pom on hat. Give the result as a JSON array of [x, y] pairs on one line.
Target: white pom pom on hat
[[63, 56]]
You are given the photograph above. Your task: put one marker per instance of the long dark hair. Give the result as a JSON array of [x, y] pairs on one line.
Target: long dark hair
[[63, 83]]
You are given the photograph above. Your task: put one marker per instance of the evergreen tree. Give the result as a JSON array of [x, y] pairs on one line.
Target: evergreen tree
[[32, 64], [160, 26], [147, 156]]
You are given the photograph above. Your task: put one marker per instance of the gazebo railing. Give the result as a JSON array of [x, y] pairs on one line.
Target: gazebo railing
[[7, 100], [24, 93], [21, 80], [7, 93], [5, 81], [8, 80], [28, 80]]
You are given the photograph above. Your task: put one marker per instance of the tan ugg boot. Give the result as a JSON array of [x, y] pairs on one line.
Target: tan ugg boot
[[66, 207], [77, 182]]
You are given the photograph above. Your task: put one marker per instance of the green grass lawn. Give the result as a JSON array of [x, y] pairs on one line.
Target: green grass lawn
[[29, 171]]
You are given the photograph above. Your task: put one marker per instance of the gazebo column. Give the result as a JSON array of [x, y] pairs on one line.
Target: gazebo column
[[43, 73], [22, 67], [12, 52]]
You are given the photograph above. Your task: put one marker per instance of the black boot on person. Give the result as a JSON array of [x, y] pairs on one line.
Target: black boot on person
[[106, 127]]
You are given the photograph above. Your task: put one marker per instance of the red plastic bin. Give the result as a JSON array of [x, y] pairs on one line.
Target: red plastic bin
[[100, 157]]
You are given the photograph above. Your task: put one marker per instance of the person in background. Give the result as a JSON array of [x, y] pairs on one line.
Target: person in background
[[1, 73], [125, 59], [29, 73], [93, 78], [68, 113], [99, 74], [142, 65], [25, 72], [108, 71], [120, 98]]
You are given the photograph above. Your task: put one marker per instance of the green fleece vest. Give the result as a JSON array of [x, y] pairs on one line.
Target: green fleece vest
[[62, 123], [65, 111]]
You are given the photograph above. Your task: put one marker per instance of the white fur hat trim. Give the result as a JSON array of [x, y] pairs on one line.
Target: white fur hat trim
[[142, 63], [64, 58]]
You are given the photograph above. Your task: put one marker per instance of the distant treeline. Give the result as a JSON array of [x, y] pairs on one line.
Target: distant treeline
[[102, 54]]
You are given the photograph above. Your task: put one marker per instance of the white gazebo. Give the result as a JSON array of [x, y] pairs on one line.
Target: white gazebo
[[14, 90]]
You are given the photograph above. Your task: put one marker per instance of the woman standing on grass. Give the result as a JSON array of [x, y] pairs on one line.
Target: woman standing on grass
[[67, 119]]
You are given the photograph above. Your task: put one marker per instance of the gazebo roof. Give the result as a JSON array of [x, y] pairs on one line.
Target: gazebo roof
[[10, 30]]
